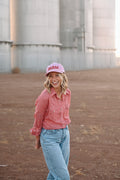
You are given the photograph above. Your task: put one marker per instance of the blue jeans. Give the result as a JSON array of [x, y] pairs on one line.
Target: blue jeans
[[56, 149]]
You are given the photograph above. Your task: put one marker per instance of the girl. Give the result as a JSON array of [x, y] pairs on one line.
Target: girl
[[51, 122]]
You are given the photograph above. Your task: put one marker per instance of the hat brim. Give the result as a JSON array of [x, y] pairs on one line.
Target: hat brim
[[54, 71]]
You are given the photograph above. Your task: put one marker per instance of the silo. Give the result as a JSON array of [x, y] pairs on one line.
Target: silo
[[5, 43], [72, 23], [76, 32], [76, 24], [35, 33], [104, 33], [104, 25]]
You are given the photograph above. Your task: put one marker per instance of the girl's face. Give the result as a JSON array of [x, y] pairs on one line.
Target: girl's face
[[55, 80]]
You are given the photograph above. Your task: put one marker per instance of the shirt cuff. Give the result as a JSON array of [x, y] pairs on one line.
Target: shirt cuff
[[35, 131]]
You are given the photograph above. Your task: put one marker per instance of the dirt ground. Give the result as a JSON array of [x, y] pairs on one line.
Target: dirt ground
[[95, 127]]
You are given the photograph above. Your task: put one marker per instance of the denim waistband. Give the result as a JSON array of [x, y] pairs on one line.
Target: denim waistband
[[57, 129]]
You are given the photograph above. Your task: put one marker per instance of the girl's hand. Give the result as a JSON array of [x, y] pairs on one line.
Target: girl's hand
[[37, 143]]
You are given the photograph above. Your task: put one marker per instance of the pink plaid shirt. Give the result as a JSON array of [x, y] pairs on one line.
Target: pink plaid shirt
[[51, 112]]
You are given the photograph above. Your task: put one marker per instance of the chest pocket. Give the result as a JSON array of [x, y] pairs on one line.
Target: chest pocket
[[56, 111]]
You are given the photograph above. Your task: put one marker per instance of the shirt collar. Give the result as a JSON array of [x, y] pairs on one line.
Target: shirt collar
[[53, 92]]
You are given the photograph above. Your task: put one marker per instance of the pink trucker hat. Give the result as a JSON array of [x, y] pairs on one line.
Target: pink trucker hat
[[55, 67]]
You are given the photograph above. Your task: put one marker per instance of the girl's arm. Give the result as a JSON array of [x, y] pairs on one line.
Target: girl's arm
[[40, 109]]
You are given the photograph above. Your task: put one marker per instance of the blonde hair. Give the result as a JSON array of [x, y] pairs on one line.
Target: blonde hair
[[64, 83]]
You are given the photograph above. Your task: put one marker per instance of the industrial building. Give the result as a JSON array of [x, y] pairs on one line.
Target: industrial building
[[80, 34]]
